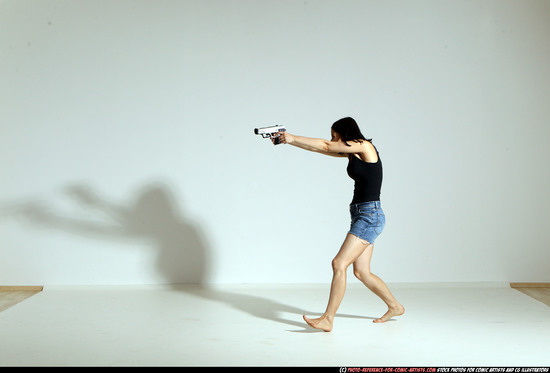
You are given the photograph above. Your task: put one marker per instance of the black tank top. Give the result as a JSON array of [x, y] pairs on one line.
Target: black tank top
[[368, 179]]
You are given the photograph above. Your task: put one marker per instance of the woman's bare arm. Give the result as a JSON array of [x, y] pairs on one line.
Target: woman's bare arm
[[317, 150], [333, 148]]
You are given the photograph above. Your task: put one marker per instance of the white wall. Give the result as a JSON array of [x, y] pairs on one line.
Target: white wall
[[128, 157]]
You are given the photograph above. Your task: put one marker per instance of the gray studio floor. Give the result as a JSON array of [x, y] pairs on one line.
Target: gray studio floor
[[261, 325]]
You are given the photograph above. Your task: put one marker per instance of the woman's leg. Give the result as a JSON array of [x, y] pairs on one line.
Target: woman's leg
[[351, 249], [361, 270]]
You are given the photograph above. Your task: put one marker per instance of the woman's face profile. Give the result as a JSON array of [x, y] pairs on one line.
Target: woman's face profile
[[335, 136]]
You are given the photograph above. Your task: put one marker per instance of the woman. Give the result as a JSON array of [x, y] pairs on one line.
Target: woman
[[367, 217]]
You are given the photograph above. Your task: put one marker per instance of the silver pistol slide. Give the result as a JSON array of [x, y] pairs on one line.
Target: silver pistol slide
[[271, 132]]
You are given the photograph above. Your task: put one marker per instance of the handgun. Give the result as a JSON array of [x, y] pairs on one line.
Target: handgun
[[270, 132]]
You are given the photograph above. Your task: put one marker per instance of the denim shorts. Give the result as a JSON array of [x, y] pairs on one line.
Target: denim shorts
[[367, 220]]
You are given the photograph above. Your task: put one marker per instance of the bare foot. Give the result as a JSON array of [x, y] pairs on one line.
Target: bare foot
[[392, 311], [323, 323]]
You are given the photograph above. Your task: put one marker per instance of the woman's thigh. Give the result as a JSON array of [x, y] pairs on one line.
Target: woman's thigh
[[351, 250], [362, 263]]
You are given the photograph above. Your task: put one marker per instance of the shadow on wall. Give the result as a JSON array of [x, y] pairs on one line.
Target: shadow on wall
[[154, 216]]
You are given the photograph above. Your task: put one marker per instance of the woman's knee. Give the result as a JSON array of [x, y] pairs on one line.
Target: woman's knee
[[362, 274], [338, 265]]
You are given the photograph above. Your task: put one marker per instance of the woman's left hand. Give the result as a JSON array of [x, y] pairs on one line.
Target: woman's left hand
[[284, 138]]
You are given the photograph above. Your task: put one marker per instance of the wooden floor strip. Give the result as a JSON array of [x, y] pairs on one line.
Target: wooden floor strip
[[530, 285], [540, 294], [11, 295], [21, 288]]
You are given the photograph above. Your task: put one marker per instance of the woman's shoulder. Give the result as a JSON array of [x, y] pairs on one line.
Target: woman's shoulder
[[370, 154]]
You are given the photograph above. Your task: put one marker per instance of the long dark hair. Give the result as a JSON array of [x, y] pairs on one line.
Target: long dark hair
[[348, 130]]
